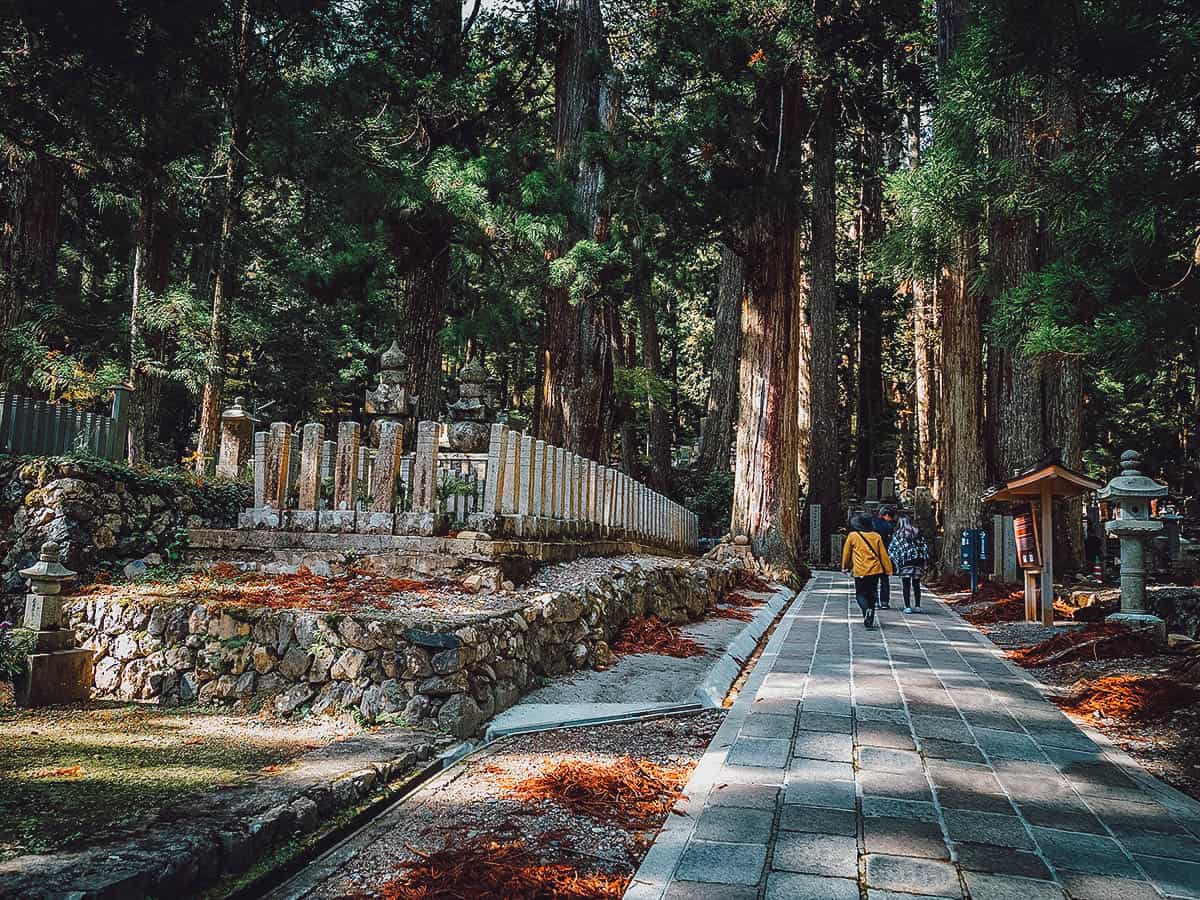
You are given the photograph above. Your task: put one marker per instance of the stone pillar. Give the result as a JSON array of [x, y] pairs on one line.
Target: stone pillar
[[56, 671], [345, 476], [260, 469], [563, 510], [328, 452], [888, 488], [278, 464], [493, 487], [525, 501], [345, 480], [385, 471], [364, 472], [310, 477], [237, 435], [538, 480], [293, 470], [815, 544], [512, 474], [872, 489], [425, 468]]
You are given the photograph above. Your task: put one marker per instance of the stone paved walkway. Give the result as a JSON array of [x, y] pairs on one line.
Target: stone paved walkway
[[912, 759]]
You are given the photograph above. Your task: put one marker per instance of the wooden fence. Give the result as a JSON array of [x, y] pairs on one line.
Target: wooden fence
[[38, 428]]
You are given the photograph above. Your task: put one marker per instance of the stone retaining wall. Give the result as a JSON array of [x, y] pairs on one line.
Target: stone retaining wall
[[457, 674], [100, 513]]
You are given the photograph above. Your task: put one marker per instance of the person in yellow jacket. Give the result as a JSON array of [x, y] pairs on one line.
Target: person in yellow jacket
[[865, 556]]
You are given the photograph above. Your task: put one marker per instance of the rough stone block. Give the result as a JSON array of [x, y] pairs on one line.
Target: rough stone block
[[62, 676]]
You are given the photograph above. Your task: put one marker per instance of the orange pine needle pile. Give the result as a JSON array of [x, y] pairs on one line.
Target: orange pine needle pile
[[1131, 697], [631, 793], [1098, 641], [737, 598], [1008, 609], [478, 867], [730, 612], [752, 582], [650, 634]]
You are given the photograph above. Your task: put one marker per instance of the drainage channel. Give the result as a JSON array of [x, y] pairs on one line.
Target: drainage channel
[[309, 867]]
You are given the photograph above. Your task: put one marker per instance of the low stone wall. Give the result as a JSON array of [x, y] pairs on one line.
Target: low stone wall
[[1179, 607], [100, 513], [457, 671]]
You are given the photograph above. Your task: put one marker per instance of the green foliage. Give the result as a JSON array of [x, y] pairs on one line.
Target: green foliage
[[15, 646]]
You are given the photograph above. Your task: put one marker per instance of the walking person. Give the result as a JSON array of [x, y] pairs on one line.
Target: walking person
[[883, 525], [909, 553], [866, 557]]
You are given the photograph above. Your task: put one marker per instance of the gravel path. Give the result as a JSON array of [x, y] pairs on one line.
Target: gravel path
[[471, 799]]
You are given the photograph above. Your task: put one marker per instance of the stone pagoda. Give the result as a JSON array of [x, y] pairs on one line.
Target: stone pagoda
[[390, 400], [469, 414]]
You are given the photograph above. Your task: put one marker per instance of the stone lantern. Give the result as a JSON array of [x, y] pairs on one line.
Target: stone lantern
[[237, 440], [1131, 493], [58, 671], [390, 400], [468, 431]]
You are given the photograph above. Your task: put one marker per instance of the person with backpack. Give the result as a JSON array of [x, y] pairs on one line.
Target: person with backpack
[[866, 557], [909, 553], [883, 526]]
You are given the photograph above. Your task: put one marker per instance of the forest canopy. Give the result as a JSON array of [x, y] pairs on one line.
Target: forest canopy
[[752, 253]]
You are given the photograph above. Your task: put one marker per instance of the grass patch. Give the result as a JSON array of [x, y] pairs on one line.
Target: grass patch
[[78, 776]]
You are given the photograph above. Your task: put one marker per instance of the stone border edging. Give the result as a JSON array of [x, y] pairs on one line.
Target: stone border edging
[[653, 876], [1175, 800], [711, 692]]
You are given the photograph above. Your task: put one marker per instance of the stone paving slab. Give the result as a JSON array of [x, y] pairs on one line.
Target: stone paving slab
[[913, 760]]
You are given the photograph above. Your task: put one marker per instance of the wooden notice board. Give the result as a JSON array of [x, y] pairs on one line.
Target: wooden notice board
[[1029, 554]]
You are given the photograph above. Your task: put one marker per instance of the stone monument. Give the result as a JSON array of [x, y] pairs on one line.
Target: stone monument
[[237, 440], [469, 431], [1131, 493], [390, 401], [58, 672]]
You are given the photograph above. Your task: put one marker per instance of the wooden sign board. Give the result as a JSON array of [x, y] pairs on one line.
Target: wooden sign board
[[1029, 555]]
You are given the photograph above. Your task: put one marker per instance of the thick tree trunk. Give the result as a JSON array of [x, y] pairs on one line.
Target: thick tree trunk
[[1063, 404], [576, 390], [31, 195], [722, 407], [1015, 381], [766, 489], [623, 351], [926, 345], [960, 411], [422, 298], [153, 244], [870, 408], [659, 475], [961, 408], [224, 284], [824, 476]]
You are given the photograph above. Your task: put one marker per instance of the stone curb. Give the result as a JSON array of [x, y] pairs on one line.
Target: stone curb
[[712, 690], [653, 876], [1185, 808]]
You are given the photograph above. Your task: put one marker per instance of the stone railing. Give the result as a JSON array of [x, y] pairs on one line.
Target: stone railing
[[522, 488]]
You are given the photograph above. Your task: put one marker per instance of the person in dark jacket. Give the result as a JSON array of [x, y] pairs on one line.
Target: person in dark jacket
[[909, 553], [882, 525]]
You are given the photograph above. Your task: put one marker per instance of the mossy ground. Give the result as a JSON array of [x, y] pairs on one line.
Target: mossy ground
[[74, 776]]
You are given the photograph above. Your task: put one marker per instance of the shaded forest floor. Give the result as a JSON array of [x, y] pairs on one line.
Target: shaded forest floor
[[1131, 694]]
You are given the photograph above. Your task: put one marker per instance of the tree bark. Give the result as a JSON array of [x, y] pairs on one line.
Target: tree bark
[[659, 476], [722, 407], [766, 490], [960, 413], [224, 285], [31, 196], [576, 391], [870, 407], [926, 369], [154, 237], [824, 477], [423, 296]]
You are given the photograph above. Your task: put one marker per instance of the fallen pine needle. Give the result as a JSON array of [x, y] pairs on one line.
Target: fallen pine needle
[[652, 635], [731, 612], [479, 867], [631, 793], [1098, 641], [65, 772], [1131, 697]]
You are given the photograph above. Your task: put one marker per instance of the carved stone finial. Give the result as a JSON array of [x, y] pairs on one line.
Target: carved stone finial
[[392, 358], [1131, 462]]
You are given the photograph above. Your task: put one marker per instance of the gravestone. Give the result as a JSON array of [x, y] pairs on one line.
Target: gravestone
[[237, 440], [304, 518], [468, 431], [345, 479], [56, 671], [815, 544], [385, 472]]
